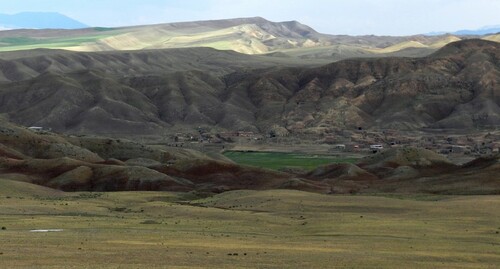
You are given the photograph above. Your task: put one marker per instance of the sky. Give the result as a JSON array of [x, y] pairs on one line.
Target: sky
[[353, 17]]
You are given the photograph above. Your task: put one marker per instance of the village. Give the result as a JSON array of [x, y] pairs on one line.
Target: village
[[360, 141]]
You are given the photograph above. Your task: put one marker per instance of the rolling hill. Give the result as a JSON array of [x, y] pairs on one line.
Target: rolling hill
[[85, 163], [245, 35]]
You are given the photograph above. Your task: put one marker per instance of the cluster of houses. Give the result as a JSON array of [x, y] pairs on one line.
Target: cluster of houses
[[360, 140], [204, 136], [473, 144], [351, 140], [465, 144]]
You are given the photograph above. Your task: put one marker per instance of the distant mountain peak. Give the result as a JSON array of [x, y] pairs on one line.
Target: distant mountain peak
[[39, 20], [486, 30]]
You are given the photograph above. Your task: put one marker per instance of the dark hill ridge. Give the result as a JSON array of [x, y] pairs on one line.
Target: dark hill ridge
[[23, 65], [131, 92], [155, 91], [462, 48]]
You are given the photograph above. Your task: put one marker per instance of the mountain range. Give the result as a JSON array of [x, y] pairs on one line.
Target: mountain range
[[155, 91], [39, 20], [487, 30], [293, 85], [245, 74]]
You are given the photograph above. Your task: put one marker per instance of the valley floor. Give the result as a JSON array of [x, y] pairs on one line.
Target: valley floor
[[246, 229]]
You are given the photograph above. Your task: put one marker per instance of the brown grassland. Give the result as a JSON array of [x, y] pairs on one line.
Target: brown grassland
[[245, 229]]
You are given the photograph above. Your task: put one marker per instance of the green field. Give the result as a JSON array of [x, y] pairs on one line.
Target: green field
[[24, 43], [244, 229], [280, 160]]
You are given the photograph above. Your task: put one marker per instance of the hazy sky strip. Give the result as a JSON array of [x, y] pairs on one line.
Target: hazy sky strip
[[354, 17]]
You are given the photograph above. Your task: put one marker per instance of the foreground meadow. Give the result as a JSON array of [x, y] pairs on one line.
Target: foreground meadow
[[245, 229]]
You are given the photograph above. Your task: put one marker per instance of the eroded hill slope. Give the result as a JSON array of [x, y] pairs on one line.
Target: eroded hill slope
[[151, 92]]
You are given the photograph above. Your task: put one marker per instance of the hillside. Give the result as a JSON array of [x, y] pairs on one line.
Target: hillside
[[158, 91], [411, 170], [245, 35], [72, 163], [120, 92], [81, 163]]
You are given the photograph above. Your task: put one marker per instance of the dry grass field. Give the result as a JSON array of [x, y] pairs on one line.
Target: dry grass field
[[245, 229]]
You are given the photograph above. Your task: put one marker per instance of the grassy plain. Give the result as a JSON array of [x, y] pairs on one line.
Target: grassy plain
[[245, 229], [279, 160]]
